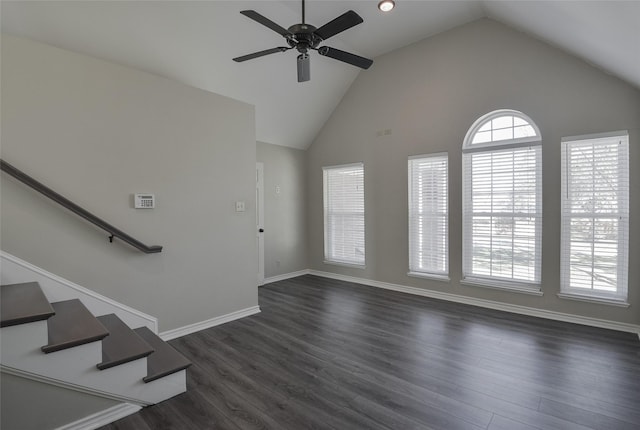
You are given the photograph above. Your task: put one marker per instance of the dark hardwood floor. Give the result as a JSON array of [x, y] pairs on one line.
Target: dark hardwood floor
[[326, 354]]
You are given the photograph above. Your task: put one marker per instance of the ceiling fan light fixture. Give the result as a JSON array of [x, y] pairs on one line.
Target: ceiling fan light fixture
[[304, 69], [386, 5]]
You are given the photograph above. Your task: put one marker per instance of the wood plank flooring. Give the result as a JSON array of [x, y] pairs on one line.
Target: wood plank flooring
[[327, 354]]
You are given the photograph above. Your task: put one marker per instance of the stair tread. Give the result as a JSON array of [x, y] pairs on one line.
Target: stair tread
[[72, 325], [23, 303], [165, 360], [122, 345]]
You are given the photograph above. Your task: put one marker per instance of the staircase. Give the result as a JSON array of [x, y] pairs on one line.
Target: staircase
[[65, 344]]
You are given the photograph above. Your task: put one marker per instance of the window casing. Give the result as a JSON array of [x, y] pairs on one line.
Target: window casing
[[595, 216], [344, 234], [502, 202], [428, 215]]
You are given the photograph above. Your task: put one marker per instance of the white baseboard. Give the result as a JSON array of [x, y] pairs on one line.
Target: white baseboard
[[489, 304], [192, 328], [102, 418], [285, 276]]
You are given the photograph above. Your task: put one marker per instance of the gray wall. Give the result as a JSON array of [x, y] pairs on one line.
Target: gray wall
[[31, 405], [285, 226], [98, 132], [429, 94]]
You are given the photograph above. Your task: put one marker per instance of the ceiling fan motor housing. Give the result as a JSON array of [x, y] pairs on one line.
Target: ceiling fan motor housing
[[303, 37]]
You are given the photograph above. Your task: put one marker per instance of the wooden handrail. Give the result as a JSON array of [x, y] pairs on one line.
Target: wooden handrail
[[63, 201]]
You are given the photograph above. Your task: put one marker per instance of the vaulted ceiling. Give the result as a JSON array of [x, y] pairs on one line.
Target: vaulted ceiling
[[194, 41]]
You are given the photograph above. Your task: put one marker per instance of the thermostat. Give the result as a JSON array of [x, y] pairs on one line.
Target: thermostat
[[144, 201]]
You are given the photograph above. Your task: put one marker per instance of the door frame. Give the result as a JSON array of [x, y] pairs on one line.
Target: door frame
[[260, 220]]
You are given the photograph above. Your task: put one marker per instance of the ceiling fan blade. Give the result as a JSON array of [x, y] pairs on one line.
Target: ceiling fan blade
[[266, 22], [353, 59], [260, 54], [340, 24], [304, 68]]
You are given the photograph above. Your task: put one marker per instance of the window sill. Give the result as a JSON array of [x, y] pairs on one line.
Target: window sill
[[434, 276], [497, 285], [593, 299], [338, 263]]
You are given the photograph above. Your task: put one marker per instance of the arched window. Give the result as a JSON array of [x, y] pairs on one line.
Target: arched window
[[501, 127], [502, 202]]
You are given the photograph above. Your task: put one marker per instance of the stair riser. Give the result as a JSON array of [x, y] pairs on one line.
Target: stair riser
[[77, 366], [19, 340], [65, 365], [167, 387]]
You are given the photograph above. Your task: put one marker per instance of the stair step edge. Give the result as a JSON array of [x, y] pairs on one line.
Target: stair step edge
[[160, 375], [123, 344], [23, 303], [165, 361], [66, 345], [72, 325]]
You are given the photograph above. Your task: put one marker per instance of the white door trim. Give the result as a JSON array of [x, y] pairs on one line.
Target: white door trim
[[260, 220]]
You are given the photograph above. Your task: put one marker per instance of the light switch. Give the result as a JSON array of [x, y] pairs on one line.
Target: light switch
[[240, 207]]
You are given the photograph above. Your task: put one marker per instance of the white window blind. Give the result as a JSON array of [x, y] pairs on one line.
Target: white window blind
[[502, 203], [595, 216], [428, 215], [344, 214]]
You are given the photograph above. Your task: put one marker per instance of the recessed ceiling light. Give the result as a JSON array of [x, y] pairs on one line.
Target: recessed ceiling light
[[386, 5]]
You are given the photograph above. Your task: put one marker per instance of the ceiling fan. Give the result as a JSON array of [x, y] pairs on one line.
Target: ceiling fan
[[305, 37]]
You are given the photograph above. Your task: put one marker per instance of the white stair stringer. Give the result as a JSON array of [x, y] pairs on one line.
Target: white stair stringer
[[75, 367]]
